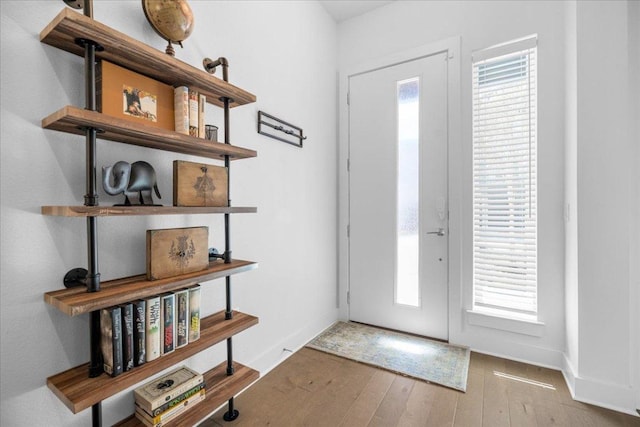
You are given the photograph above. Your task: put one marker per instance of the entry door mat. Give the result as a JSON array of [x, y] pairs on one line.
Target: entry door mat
[[409, 355]]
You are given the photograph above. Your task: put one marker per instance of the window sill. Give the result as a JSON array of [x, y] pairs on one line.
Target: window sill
[[519, 326]]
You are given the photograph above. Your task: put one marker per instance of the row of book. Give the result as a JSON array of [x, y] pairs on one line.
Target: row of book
[[143, 330], [165, 398], [189, 110]]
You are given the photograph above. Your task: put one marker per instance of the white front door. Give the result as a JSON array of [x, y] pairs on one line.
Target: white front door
[[398, 210]]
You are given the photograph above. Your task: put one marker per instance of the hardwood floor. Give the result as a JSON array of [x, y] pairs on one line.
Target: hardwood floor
[[312, 388]]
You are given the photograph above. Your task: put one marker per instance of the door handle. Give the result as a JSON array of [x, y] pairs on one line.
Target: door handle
[[439, 232]]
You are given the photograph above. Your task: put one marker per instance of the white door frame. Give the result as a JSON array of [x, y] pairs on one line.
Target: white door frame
[[452, 47]]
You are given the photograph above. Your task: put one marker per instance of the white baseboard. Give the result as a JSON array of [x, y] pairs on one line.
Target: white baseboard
[[517, 351], [595, 392], [285, 347]]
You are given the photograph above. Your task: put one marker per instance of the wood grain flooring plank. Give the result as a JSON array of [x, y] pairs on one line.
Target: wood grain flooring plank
[[443, 410], [522, 411], [419, 404], [495, 404], [470, 404], [367, 402], [551, 413], [596, 417], [328, 406], [394, 403]]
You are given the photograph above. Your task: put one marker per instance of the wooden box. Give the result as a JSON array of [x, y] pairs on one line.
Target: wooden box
[[175, 251], [199, 184], [131, 96]]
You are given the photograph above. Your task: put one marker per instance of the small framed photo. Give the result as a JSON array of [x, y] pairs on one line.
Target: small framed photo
[[131, 96]]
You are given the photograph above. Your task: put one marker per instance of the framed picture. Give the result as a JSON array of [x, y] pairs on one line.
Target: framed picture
[[131, 96]]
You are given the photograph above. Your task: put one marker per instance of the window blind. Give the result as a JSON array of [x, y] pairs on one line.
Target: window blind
[[505, 179]]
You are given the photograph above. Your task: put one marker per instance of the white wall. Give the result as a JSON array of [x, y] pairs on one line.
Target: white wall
[[604, 144], [285, 53], [634, 133], [403, 25], [571, 190]]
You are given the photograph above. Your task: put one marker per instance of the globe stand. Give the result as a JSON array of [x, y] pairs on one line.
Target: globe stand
[[170, 50]]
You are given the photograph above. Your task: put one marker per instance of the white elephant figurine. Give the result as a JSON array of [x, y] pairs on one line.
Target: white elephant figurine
[[135, 180]]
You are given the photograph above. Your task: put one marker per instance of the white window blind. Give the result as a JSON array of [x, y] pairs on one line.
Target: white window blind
[[504, 179]]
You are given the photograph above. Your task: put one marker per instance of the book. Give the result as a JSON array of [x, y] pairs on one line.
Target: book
[[182, 318], [193, 112], [167, 322], [153, 328], [202, 103], [139, 329], [111, 340], [176, 400], [181, 109], [194, 313], [170, 414], [127, 336], [163, 389]]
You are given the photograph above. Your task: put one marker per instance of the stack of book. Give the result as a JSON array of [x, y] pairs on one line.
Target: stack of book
[[143, 330], [189, 110], [169, 396]]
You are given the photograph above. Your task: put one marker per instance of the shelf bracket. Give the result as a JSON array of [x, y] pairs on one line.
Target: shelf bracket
[[75, 277]]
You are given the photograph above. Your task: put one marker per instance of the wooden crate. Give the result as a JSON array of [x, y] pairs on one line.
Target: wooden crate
[[199, 184], [175, 251]]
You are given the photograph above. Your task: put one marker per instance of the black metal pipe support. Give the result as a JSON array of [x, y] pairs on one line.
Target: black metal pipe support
[[232, 413], [230, 369], [91, 199]]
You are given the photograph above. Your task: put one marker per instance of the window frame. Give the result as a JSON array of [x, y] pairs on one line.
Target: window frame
[[493, 295]]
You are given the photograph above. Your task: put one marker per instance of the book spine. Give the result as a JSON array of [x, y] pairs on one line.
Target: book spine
[[153, 328], [182, 318], [193, 113], [139, 329], [111, 340], [171, 414], [127, 336], [150, 405], [167, 315], [181, 109], [202, 103], [194, 313], [176, 400]]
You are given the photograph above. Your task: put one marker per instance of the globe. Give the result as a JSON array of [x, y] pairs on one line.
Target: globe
[[171, 19]]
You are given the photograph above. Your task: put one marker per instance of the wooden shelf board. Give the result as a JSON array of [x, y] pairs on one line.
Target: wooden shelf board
[[78, 392], [127, 52], [220, 388], [75, 301], [74, 120], [85, 211]]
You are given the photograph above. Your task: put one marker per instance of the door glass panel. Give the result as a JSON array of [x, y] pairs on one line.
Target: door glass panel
[[407, 291]]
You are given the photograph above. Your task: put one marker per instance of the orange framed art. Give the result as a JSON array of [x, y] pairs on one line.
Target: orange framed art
[[131, 96]]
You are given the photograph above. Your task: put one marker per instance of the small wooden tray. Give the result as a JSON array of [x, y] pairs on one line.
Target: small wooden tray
[[175, 251]]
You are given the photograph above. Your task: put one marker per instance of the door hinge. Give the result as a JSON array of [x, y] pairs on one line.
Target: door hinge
[[348, 165], [348, 98], [348, 230], [348, 297]]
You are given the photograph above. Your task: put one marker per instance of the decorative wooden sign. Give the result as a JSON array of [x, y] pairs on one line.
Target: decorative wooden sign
[[175, 251], [199, 184]]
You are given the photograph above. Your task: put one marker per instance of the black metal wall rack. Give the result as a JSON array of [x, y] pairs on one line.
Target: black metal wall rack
[[285, 132]]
